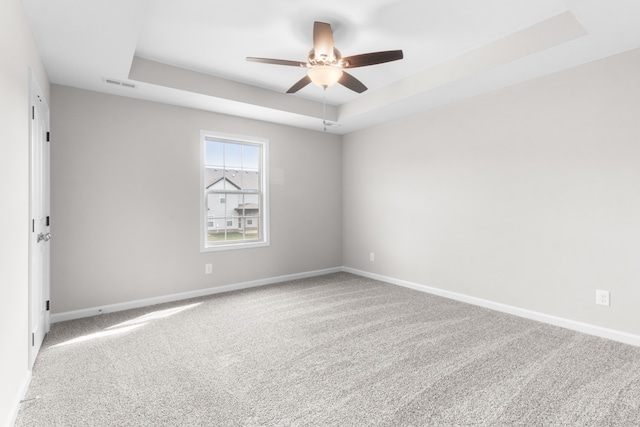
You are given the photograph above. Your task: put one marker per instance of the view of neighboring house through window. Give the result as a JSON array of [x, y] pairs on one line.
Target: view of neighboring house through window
[[234, 192]]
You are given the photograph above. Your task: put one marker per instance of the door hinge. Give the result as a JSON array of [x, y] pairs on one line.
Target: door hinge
[[33, 112], [47, 305], [47, 221], [48, 136], [33, 339], [33, 225]]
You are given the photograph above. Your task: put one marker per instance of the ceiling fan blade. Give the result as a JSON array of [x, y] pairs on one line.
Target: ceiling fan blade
[[322, 40], [277, 61], [371, 58], [299, 84], [350, 82]]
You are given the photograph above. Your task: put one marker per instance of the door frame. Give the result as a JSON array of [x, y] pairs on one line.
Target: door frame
[[38, 103]]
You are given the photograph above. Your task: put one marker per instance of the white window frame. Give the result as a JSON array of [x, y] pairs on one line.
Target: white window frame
[[205, 246]]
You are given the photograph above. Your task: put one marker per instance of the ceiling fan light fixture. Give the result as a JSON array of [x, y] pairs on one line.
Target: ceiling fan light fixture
[[324, 75]]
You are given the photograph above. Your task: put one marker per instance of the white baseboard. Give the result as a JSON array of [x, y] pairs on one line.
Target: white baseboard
[[15, 406], [94, 311], [586, 328]]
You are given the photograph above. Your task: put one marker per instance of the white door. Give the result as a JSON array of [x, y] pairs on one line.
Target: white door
[[39, 235]]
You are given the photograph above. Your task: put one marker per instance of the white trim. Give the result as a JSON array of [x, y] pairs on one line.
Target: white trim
[[586, 328], [265, 240], [15, 406], [88, 312]]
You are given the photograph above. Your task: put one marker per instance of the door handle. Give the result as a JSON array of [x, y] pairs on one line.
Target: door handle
[[45, 237]]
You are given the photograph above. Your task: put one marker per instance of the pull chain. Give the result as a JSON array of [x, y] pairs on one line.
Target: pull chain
[[324, 108]]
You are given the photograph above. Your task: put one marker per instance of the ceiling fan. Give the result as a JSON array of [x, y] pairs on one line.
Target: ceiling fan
[[326, 65]]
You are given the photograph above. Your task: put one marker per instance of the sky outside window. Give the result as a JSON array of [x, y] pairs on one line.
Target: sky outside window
[[230, 155]]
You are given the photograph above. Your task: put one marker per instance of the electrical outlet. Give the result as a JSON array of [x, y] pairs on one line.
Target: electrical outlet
[[208, 269], [602, 297], [372, 256]]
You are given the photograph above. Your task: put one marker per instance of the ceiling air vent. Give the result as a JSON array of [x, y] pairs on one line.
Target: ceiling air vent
[[116, 82]]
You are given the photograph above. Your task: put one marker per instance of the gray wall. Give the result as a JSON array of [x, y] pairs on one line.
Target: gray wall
[[528, 196], [126, 200], [18, 53]]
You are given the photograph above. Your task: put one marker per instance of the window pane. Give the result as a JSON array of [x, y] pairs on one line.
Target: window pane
[[251, 180], [233, 200], [235, 235], [252, 228], [251, 204], [233, 155], [213, 178], [214, 206], [217, 230], [214, 153], [233, 179], [251, 157]]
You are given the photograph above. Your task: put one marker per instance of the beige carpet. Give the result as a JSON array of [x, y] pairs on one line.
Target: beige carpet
[[335, 350]]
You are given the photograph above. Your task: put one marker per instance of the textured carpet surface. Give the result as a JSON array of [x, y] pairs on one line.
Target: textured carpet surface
[[335, 350]]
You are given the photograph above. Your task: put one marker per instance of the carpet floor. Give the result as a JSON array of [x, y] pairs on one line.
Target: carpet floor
[[334, 350]]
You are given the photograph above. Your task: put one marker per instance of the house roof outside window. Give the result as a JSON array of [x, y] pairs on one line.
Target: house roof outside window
[[242, 180]]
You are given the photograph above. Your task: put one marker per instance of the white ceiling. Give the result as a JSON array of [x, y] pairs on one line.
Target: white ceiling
[[192, 52]]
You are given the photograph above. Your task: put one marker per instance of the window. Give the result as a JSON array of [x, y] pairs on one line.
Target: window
[[234, 192]]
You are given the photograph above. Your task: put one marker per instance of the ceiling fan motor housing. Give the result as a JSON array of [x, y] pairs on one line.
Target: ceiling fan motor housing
[[324, 59]]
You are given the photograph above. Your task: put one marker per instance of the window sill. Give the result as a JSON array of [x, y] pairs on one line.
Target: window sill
[[233, 246]]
